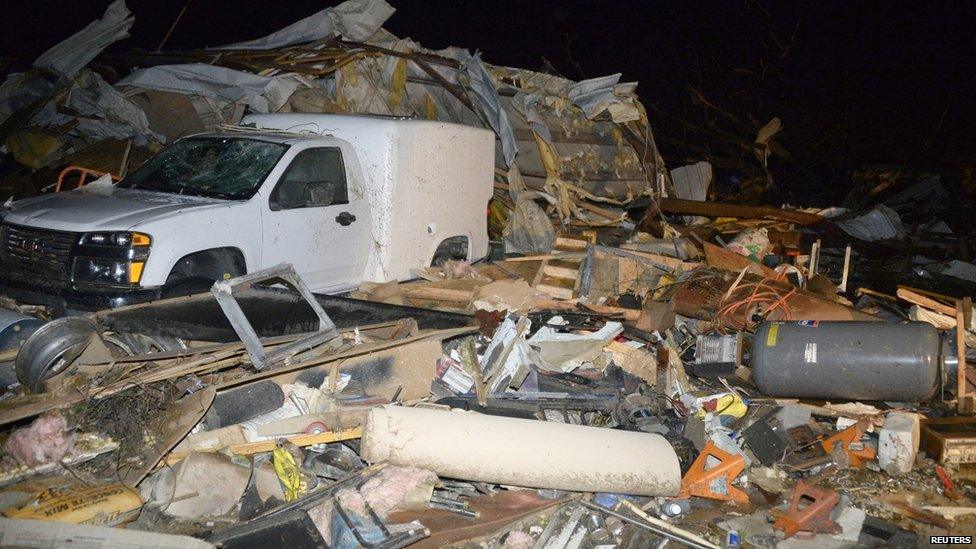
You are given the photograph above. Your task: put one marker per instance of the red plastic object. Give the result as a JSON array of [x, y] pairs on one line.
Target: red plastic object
[[949, 487], [714, 482], [315, 428], [809, 510], [83, 172], [846, 438]]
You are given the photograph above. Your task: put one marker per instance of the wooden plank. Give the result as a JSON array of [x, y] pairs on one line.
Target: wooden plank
[[539, 274], [949, 440], [963, 404], [721, 258], [881, 295], [570, 244], [604, 277], [248, 448], [967, 311], [906, 510], [555, 291], [565, 255], [560, 272], [626, 276], [671, 263], [438, 294], [626, 314], [718, 209], [916, 298]]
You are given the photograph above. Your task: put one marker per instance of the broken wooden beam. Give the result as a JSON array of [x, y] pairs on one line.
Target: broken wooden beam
[[719, 209]]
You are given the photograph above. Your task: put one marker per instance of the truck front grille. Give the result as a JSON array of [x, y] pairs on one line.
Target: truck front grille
[[38, 256]]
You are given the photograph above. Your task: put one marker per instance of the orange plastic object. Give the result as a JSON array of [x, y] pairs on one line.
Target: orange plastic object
[[846, 438], [714, 482], [814, 516], [83, 172]]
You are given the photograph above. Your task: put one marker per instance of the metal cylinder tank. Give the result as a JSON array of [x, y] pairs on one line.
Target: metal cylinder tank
[[850, 360], [15, 328]]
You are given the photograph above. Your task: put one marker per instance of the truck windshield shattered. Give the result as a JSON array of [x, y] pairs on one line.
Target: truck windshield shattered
[[231, 168]]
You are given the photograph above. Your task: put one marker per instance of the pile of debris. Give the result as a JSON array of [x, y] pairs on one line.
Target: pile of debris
[[709, 374], [659, 389], [583, 148]]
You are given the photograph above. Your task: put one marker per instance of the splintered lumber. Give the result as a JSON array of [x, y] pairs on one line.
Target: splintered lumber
[[964, 400], [563, 255], [925, 301], [249, 448], [438, 294], [560, 272], [557, 292], [927, 517], [719, 209], [722, 258], [570, 244]]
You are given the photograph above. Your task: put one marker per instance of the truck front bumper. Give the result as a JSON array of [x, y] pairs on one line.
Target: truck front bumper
[[70, 300]]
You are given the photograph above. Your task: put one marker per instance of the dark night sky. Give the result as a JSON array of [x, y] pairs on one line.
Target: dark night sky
[[888, 82]]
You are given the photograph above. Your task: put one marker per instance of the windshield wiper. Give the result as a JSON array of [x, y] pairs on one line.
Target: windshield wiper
[[220, 194]]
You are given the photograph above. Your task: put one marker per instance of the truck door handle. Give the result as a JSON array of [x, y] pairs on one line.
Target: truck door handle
[[345, 219]]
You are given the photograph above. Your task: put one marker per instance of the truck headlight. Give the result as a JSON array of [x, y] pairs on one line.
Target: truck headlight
[[117, 239], [115, 258]]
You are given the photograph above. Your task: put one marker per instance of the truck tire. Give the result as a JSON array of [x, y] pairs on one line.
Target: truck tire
[[455, 248], [195, 273]]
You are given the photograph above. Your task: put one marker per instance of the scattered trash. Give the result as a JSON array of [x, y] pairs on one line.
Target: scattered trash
[[581, 349]]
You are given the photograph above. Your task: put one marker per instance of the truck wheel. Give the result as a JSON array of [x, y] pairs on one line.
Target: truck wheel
[[452, 248], [51, 349], [187, 286], [196, 272]]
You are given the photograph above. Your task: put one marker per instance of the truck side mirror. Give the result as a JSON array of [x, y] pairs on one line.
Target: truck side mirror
[[319, 193]]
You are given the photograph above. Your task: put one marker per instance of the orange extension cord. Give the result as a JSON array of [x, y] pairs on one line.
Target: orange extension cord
[[763, 298]]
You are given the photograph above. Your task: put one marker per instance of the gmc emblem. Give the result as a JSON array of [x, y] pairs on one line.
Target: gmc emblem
[[31, 245]]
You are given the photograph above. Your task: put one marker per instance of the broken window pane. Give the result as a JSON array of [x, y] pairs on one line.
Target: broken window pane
[[219, 167]]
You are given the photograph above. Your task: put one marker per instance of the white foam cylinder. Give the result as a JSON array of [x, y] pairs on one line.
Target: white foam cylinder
[[522, 452]]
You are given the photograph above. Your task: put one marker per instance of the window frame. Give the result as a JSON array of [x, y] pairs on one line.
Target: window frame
[[273, 204]]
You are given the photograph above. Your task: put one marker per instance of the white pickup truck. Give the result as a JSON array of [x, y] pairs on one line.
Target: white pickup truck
[[342, 198]]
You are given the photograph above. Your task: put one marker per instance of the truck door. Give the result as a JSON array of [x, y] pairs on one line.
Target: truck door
[[317, 221]]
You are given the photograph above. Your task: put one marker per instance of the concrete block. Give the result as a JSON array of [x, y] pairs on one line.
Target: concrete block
[[898, 442]]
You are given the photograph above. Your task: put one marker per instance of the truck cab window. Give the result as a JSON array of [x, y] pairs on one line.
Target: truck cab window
[[230, 168], [315, 177]]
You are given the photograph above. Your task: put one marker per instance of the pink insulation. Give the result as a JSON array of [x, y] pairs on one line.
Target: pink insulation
[[392, 488], [518, 539], [458, 269], [47, 440]]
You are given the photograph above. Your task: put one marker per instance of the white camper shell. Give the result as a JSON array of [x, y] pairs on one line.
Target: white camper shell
[[425, 181]]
